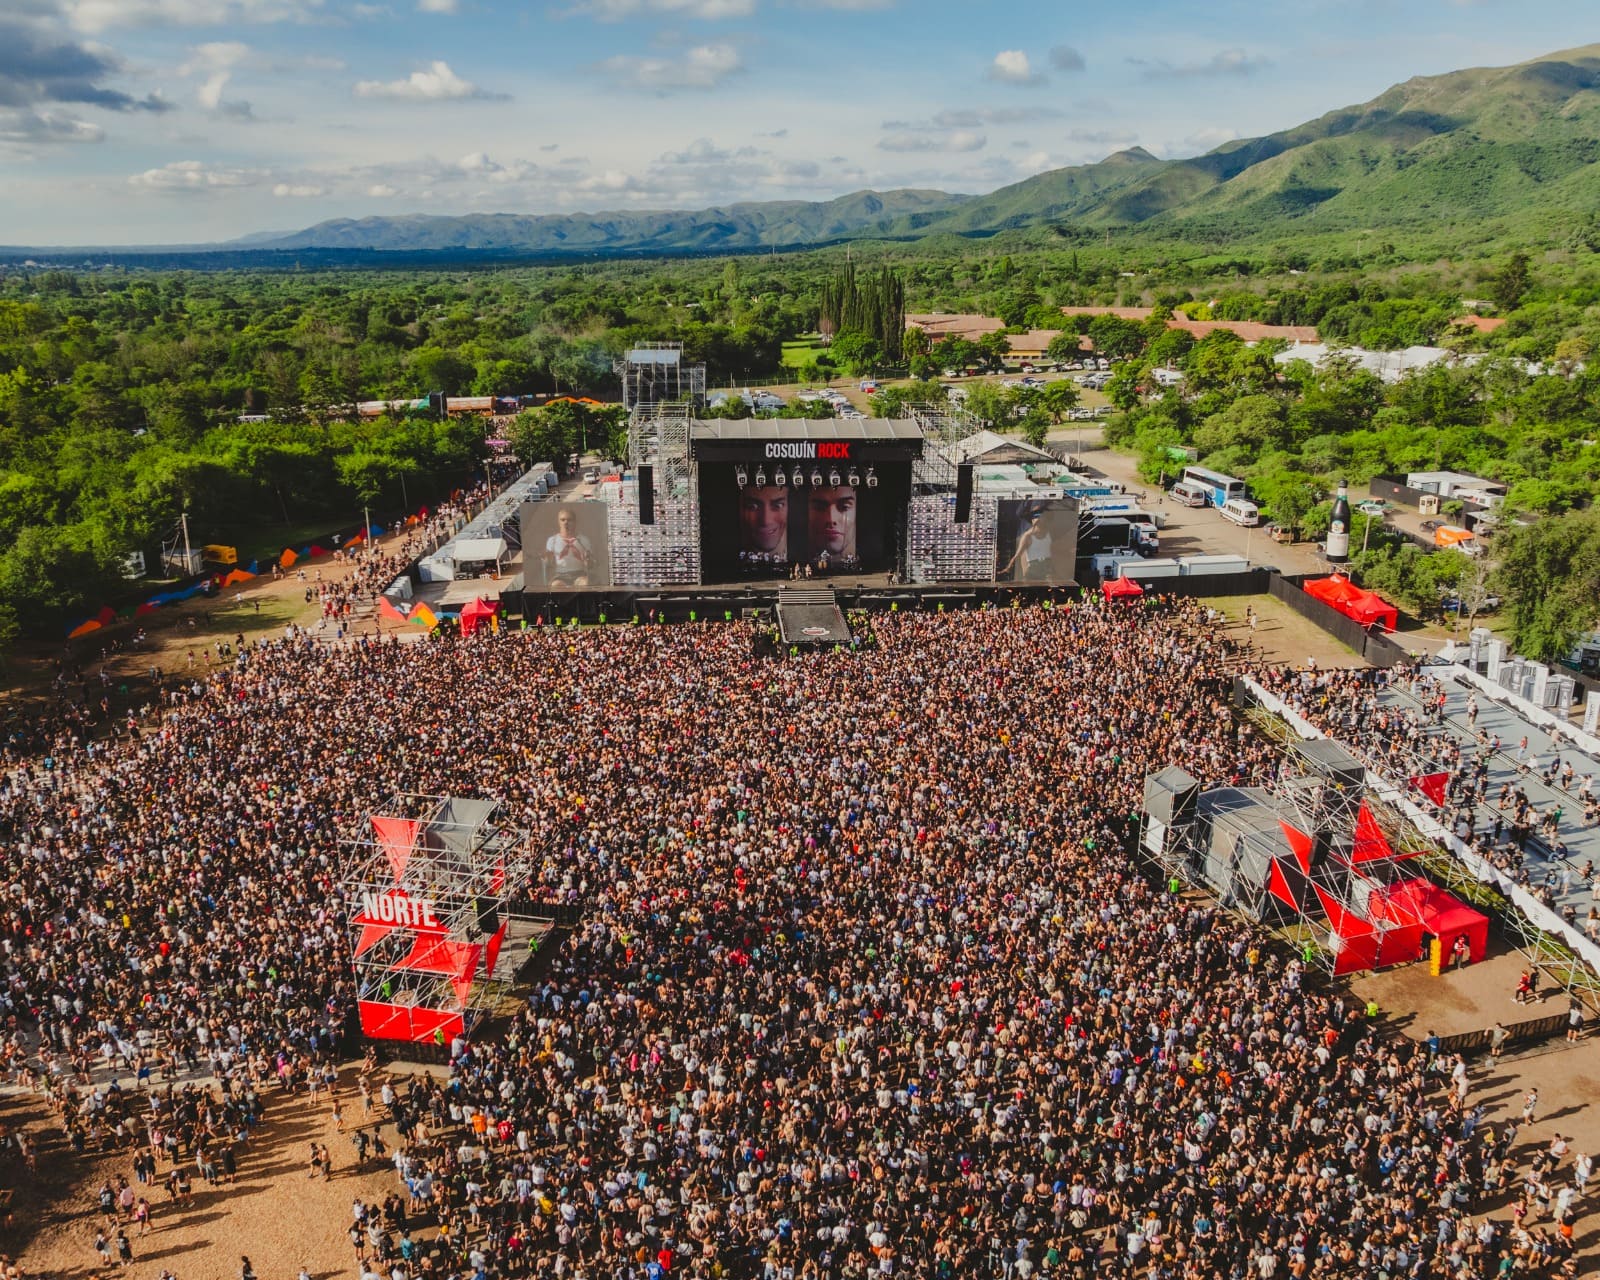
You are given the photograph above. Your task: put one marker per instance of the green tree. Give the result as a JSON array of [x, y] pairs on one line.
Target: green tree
[[1059, 398], [858, 352], [1510, 284], [1549, 575]]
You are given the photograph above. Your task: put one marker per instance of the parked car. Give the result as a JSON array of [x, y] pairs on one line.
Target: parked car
[[1373, 507], [1452, 603], [1428, 526]]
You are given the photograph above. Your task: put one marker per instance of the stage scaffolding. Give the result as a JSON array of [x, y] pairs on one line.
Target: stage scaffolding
[[656, 373], [428, 885], [666, 552], [936, 548]]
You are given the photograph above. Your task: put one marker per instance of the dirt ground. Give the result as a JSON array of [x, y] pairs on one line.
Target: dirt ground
[[278, 1216], [254, 610], [1281, 634]]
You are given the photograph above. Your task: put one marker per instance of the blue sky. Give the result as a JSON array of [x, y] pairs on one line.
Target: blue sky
[[172, 121]]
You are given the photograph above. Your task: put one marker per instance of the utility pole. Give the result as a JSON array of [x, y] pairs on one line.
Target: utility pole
[[366, 527], [188, 556]]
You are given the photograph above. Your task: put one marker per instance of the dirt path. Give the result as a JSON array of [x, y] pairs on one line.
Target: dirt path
[[277, 1215]]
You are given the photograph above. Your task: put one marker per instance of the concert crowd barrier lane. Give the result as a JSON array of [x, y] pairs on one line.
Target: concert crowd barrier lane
[[1394, 794]]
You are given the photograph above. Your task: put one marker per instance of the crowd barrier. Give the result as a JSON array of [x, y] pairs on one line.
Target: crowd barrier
[[1485, 872]]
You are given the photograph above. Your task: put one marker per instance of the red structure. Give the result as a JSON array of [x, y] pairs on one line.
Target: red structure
[[1121, 589], [1366, 607], [1434, 911], [427, 887]]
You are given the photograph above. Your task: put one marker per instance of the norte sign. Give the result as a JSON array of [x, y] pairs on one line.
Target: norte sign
[[397, 908]]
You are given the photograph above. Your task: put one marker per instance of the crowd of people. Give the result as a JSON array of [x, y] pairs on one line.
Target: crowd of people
[[866, 977]]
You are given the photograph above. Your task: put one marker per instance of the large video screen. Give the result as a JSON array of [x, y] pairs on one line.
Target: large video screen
[[1036, 540], [565, 546], [764, 530]]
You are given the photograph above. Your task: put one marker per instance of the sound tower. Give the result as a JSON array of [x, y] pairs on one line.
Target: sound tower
[[963, 492], [488, 913], [647, 494]]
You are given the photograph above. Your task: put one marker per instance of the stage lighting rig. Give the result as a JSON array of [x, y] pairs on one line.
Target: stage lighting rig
[[742, 476], [872, 478], [855, 478], [761, 478]]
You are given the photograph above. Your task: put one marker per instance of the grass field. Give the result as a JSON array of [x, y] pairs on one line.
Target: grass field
[[802, 351]]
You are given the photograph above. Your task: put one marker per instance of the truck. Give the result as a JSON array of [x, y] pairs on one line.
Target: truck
[[1201, 566]]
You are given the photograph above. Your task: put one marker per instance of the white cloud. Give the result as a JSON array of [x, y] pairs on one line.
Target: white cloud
[[435, 84], [611, 181], [382, 191], [437, 6], [102, 15], [702, 67], [1011, 66], [960, 140], [215, 61], [1228, 62], [298, 191], [192, 175], [705, 10], [24, 127]]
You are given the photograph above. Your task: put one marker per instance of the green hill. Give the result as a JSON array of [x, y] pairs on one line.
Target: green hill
[[1439, 164], [739, 226]]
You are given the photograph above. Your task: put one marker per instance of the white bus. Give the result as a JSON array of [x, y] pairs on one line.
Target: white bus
[[1218, 486]]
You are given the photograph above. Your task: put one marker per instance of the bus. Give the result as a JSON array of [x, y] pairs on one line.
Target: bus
[[1219, 487]]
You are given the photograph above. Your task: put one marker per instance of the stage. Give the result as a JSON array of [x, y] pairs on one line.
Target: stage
[[869, 593]]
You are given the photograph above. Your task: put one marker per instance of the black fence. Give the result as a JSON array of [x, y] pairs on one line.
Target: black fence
[[1531, 1031], [1248, 582], [1397, 490], [1373, 646]]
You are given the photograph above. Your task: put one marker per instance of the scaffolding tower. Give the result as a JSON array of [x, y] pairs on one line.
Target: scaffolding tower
[[656, 373], [668, 550], [429, 885], [937, 549]]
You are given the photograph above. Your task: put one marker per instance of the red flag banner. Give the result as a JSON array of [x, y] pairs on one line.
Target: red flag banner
[[1432, 785]]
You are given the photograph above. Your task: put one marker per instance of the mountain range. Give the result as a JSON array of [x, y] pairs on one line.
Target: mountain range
[[1475, 155]]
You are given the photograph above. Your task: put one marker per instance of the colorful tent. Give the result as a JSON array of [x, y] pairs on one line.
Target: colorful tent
[[1424, 904], [477, 613], [1121, 589], [1366, 607]]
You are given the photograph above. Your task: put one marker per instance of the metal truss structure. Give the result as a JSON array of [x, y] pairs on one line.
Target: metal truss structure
[[655, 373], [937, 549], [667, 551], [428, 886], [1542, 948]]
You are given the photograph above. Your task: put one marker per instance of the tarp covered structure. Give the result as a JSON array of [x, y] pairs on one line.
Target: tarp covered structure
[[1121, 589], [477, 613], [1365, 607], [1424, 904], [470, 550]]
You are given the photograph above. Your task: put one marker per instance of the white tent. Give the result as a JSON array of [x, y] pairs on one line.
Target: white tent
[[478, 550]]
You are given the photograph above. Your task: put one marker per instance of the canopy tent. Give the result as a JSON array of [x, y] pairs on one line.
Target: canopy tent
[[477, 550], [477, 613], [1439, 912], [1366, 607], [1121, 589]]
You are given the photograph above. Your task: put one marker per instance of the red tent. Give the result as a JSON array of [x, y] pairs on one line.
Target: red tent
[[1421, 902], [475, 613], [1365, 607], [1121, 589]]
